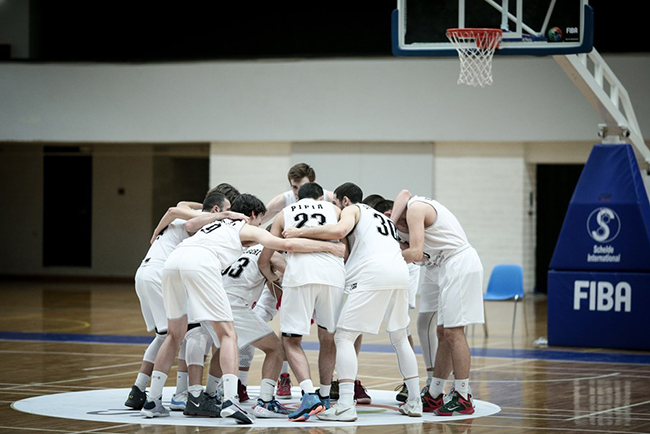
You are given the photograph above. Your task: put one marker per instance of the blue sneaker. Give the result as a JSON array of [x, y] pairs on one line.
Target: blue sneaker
[[310, 404], [325, 400]]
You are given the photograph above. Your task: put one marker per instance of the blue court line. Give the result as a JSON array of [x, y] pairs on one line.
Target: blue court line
[[509, 353]]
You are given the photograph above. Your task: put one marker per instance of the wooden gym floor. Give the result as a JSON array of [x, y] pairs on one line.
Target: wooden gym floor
[[539, 390]]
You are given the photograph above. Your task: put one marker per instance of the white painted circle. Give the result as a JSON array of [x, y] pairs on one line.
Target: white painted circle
[[107, 406]]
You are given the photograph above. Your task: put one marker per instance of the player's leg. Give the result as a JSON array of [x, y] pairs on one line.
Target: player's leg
[[267, 405]]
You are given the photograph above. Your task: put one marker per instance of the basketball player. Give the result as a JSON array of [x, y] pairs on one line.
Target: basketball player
[[453, 283], [148, 286], [244, 284], [377, 286], [386, 207], [312, 287], [298, 175], [192, 279]]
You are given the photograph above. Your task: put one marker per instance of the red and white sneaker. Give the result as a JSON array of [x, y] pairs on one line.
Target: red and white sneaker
[[429, 403], [360, 394], [284, 387]]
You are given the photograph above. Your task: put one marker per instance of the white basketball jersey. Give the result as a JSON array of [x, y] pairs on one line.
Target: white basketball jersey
[[375, 260], [221, 238], [165, 243], [290, 197], [243, 277], [319, 267], [445, 236]]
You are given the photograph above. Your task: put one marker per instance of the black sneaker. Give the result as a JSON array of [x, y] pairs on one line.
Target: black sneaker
[[136, 398], [334, 391], [201, 405], [231, 408], [402, 393]]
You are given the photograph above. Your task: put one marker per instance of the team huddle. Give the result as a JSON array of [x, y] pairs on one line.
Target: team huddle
[[212, 280]]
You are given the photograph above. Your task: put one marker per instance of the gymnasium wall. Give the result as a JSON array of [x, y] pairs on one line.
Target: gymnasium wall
[[387, 124]]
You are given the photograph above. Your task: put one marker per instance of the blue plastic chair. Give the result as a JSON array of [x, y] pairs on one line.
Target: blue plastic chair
[[506, 283]]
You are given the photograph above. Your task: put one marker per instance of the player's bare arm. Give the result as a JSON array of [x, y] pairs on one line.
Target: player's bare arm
[[273, 208], [399, 205], [347, 220], [303, 245], [416, 219], [183, 210], [264, 261], [194, 224]]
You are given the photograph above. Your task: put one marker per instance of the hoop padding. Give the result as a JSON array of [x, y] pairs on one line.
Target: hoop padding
[[475, 50]]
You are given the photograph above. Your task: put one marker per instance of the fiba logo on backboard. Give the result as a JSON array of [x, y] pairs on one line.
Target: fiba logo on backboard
[[603, 225]]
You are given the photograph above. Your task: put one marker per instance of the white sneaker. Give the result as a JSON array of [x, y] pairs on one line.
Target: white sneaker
[[154, 408], [412, 408], [339, 413], [179, 401]]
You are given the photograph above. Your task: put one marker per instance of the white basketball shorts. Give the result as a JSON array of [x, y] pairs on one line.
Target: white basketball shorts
[[302, 303], [461, 290], [364, 311], [148, 287]]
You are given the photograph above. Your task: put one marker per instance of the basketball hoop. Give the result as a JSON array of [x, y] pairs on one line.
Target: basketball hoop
[[475, 49]]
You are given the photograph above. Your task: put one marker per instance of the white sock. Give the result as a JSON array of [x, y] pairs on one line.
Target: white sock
[[212, 385], [243, 377], [229, 386], [195, 390], [346, 394], [181, 382], [437, 386], [158, 380], [307, 386], [267, 387], [141, 381], [462, 387], [285, 367], [325, 390]]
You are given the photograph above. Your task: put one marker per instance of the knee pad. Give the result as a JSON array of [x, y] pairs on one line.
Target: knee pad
[[152, 350], [246, 355], [196, 345], [345, 335], [398, 337]]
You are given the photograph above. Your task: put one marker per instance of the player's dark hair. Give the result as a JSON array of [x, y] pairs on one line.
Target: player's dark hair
[[301, 170], [248, 204], [310, 190], [352, 191], [373, 199], [213, 199], [227, 190], [384, 205]]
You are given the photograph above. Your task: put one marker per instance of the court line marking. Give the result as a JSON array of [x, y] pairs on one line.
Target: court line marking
[[95, 368], [102, 429], [69, 353], [521, 428], [608, 410]]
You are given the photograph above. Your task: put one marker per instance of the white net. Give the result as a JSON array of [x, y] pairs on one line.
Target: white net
[[475, 50]]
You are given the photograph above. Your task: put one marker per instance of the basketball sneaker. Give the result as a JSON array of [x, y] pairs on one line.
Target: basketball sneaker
[[360, 393], [179, 401], [310, 404], [402, 392], [136, 398], [339, 413], [232, 409], [456, 405], [429, 403], [154, 408], [412, 408], [326, 400], [284, 387], [201, 405], [334, 391], [241, 392], [270, 409]]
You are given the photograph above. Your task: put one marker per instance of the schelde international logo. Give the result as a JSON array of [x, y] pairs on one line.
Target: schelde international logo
[[603, 225]]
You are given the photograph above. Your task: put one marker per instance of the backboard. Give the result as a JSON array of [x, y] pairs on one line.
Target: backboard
[[534, 27]]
